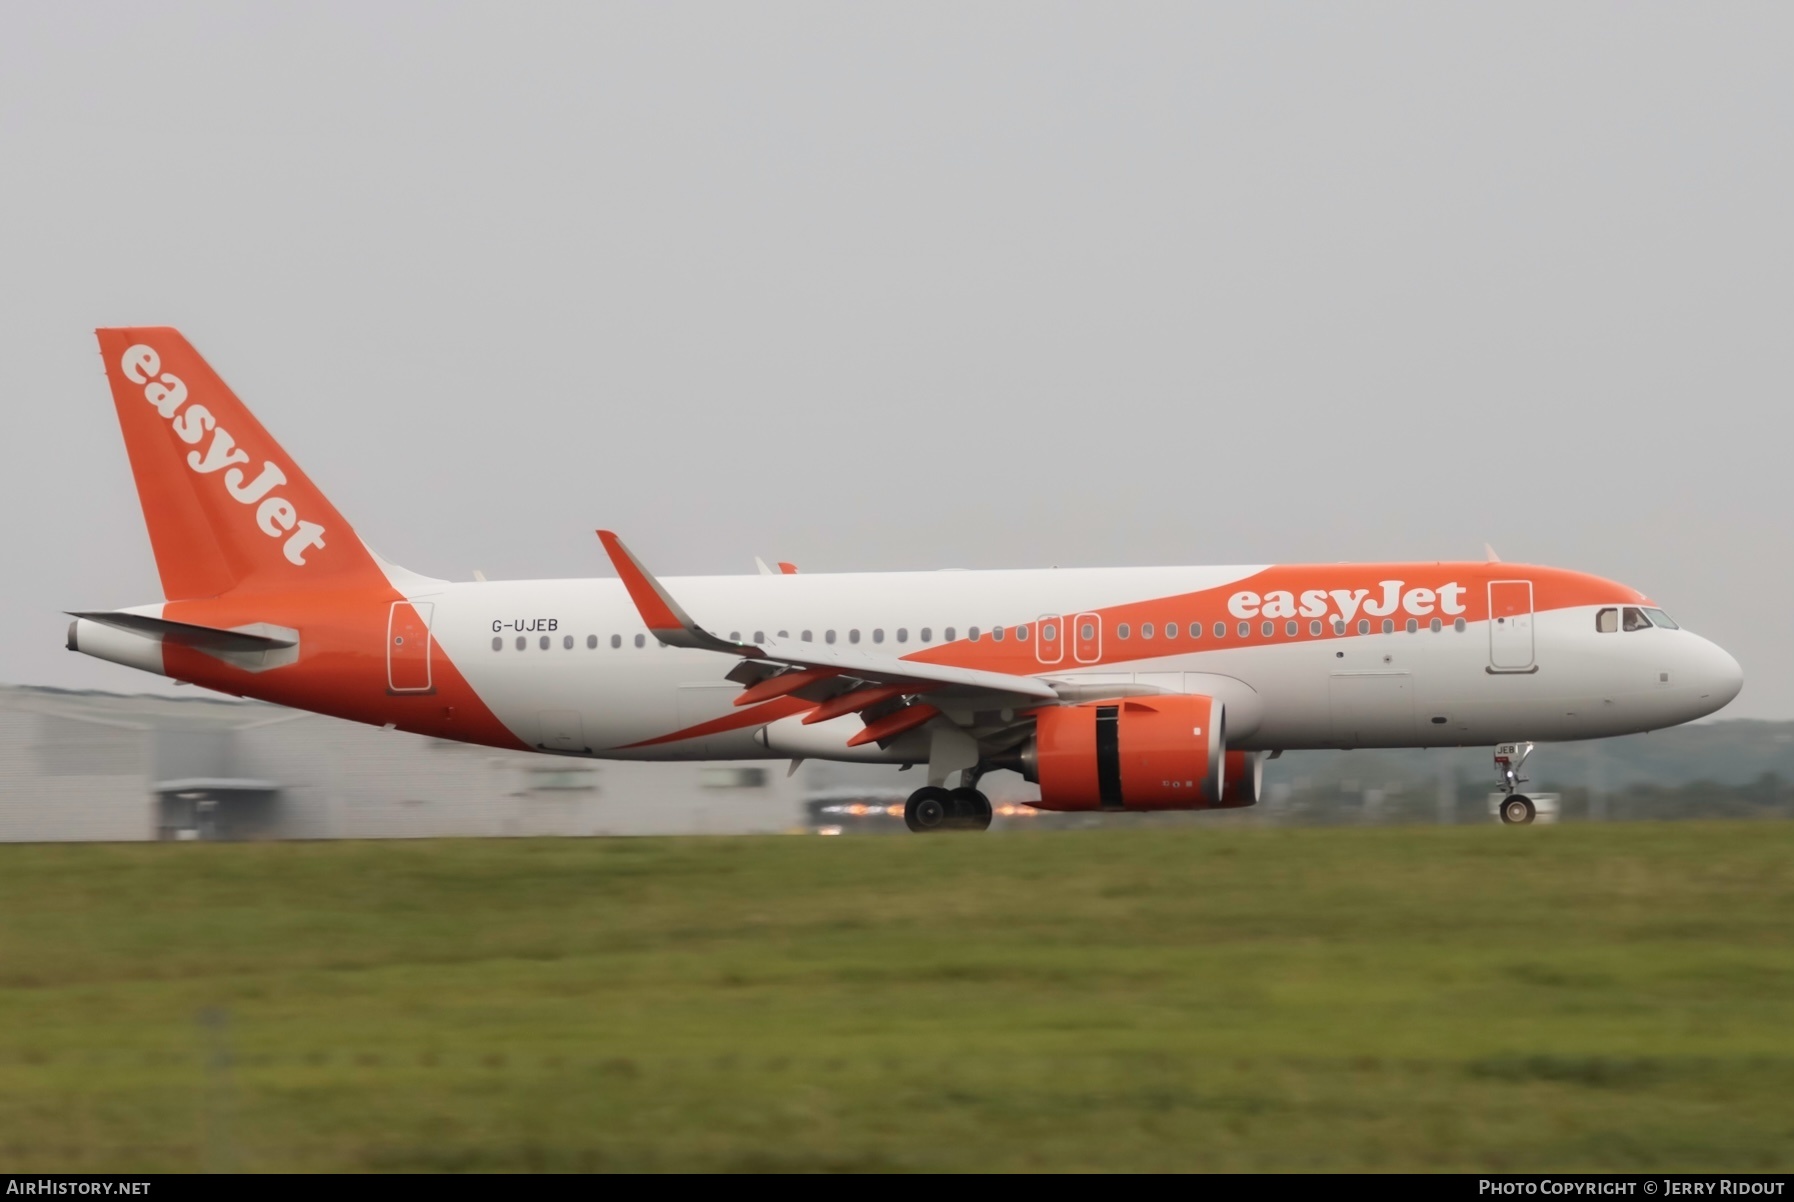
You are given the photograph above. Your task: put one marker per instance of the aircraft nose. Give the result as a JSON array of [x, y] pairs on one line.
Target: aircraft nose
[[1721, 675]]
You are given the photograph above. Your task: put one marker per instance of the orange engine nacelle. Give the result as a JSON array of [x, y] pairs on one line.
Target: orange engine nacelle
[[1137, 753]]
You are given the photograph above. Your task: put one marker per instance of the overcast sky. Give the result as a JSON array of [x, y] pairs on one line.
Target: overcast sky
[[912, 285]]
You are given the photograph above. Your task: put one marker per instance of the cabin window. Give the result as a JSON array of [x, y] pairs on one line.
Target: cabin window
[[784, 634], [1245, 630], [1220, 630], [544, 642], [1268, 628], [947, 634], [828, 636], [1363, 625], [971, 634], [1413, 625], [735, 636], [903, 634], [759, 636], [1314, 627], [1121, 631], [1339, 626], [996, 633], [1021, 634], [928, 634], [566, 642], [1087, 631], [616, 641], [591, 642], [641, 640], [1048, 632], [1458, 626], [1388, 625], [498, 644], [1171, 630], [1437, 625], [878, 634], [1146, 630], [522, 643], [1195, 630]]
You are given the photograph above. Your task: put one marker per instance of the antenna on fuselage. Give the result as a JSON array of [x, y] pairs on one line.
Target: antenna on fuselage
[[1490, 552]]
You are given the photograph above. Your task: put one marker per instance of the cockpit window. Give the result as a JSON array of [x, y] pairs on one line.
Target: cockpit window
[[1607, 621], [1633, 619], [1659, 618]]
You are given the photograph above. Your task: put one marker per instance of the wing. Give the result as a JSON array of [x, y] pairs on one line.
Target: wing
[[848, 680]]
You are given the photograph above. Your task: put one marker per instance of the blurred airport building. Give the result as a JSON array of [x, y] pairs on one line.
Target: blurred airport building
[[106, 767], [97, 766]]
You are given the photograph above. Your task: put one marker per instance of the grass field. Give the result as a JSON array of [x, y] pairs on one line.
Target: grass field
[[1616, 997]]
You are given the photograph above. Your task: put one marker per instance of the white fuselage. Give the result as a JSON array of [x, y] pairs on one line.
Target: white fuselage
[[1427, 688]]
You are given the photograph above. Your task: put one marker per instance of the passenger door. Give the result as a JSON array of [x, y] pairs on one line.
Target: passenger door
[[408, 647], [1510, 626]]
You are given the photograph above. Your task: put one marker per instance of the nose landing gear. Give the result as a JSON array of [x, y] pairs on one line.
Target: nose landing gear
[[1516, 809]]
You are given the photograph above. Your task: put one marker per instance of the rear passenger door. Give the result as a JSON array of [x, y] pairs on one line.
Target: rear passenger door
[[408, 647]]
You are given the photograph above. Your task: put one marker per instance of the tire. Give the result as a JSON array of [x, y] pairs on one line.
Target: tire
[[971, 810], [1518, 810], [928, 809]]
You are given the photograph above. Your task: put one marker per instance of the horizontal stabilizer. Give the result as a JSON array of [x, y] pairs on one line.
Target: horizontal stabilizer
[[203, 638]]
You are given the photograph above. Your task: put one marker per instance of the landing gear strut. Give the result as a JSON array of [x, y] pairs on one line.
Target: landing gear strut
[[1516, 809], [936, 809]]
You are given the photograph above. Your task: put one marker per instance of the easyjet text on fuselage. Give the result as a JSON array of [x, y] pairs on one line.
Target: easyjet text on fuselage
[[1345, 604]]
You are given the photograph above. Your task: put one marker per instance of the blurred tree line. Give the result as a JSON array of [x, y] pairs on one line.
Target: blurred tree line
[[1732, 769], [1353, 803]]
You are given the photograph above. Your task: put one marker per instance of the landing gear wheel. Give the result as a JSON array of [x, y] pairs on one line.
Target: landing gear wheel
[[928, 809], [1518, 810], [971, 810]]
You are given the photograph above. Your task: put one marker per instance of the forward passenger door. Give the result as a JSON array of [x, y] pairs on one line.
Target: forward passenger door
[[1510, 626]]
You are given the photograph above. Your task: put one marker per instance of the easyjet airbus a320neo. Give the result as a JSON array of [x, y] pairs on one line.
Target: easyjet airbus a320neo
[[1113, 689]]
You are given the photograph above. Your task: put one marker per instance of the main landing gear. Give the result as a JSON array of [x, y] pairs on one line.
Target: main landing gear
[[936, 809], [1516, 808]]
